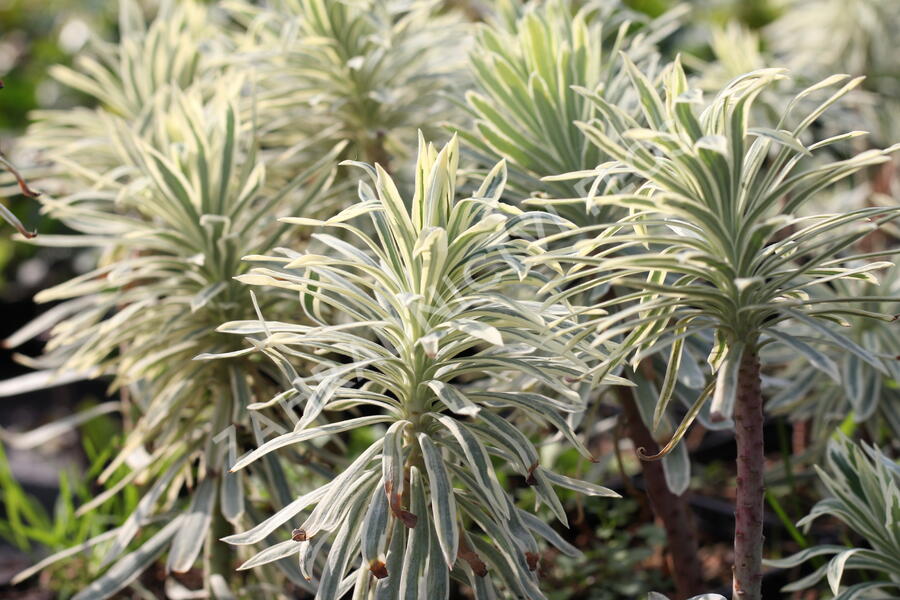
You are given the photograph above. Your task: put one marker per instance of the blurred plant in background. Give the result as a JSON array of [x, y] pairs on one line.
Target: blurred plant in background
[[864, 493], [33, 37], [69, 529], [368, 72], [864, 396], [818, 37]]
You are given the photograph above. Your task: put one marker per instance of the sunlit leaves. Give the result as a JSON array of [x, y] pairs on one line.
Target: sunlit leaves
[[171, 201], [436, 317], [526, 102], [368, 72], [724, 245]]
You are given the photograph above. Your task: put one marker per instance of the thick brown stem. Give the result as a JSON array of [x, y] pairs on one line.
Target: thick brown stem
[[748, 514], [674, 511]]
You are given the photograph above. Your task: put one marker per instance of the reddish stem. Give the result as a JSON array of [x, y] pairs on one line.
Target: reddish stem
[[674, 511], [748, 514]]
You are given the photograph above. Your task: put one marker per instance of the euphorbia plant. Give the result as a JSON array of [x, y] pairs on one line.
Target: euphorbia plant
[[122, 79], [715, 242], [183, 205], [864, 493], [525, 102], [818, 37], [526, 108], [425, 323], [368, 72], [862, 397]]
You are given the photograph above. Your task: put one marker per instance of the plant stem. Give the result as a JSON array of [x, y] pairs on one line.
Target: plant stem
[[748, 528], [375, 150], [219, 553], [672, 510]]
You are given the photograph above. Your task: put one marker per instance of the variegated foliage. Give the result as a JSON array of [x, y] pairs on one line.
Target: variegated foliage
[[530, 69], [534, 66], [183, 199], [715, 240], [438, 320], [176, 49], [857, 394], [838, 35], [864, 492], [819, 37], [366, 71]]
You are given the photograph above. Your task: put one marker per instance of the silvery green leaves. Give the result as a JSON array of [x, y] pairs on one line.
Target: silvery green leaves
[[864, 488], [437, 316], [854, 386], [526, 101], [713, 240], [174, 200], [123, 78], [367, 72], [818, 37]]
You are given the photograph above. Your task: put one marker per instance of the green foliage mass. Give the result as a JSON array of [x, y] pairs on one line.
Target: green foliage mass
[[365, 275]]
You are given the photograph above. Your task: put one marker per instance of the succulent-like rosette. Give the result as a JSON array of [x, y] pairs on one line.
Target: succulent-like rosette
[[444, 346]]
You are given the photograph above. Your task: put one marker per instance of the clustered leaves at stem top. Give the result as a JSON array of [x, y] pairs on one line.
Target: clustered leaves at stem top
[[175, 198], [714, 240], [442, 342], [368, 72], [526, 103]]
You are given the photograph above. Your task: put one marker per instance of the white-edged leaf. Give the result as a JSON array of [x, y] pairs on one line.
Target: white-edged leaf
[[231, 496], [208, 293], [443, 501], [296, 437], [45, 433], [836, 568], [725, 394], [482, 331], [129, 567], [478, 460], [39, 380], [582, 487], [194, 524], [455, 400], [261, 531], [273, 553]]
